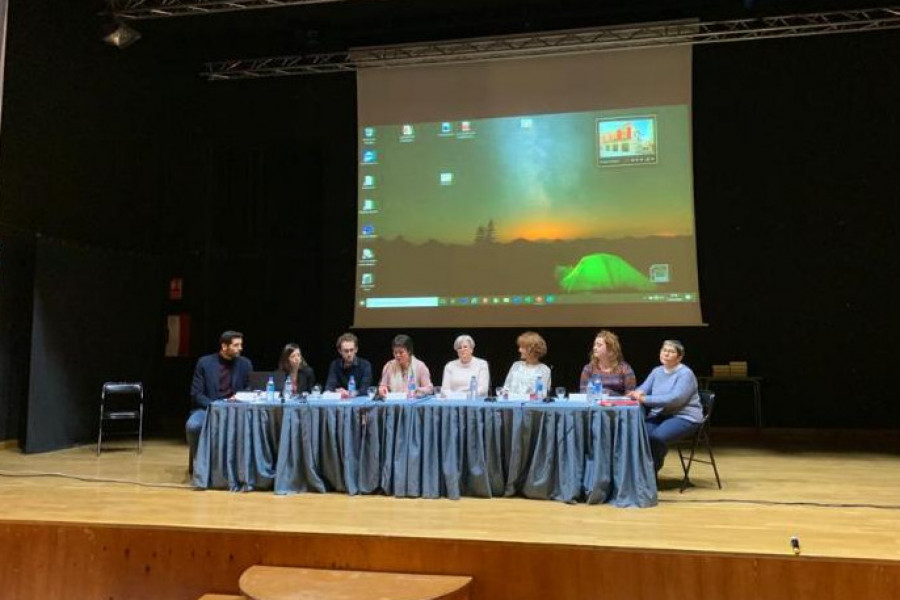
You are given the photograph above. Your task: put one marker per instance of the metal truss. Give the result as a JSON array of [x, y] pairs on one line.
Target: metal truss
[[567, 42], [160, 9]]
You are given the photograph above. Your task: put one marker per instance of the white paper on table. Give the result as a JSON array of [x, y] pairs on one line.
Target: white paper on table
[[331, 395], [395, 396], [455, 395], [249, 397], [577, 397], [516, 398]]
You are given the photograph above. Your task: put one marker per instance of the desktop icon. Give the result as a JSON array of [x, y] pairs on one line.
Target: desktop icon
[[367, 254], [446, 178], [465, 126], [526, 123], [368, 132], [659, 273], [369, 157], [368, 230], [368, 205], [368, 182], [407, 130], [446, 127], [368, 279]]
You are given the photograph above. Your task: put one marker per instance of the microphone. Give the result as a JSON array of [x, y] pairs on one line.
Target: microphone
[[795, 545]]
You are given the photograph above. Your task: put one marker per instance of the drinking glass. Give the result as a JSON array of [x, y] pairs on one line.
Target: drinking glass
[[560, 393], [316, 391], [436, 391], [371, 391], [500, 391]]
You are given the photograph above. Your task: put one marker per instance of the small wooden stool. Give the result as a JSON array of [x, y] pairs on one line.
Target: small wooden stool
[[287, 583]]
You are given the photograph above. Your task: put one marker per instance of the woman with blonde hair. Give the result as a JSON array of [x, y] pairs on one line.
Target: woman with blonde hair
[[607, 363], [524, 373]]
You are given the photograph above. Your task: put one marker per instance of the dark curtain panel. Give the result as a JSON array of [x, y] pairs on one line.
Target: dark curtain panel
[[98, 316]]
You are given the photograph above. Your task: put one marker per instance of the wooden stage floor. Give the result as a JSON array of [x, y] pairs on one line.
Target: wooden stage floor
[[841, 504]]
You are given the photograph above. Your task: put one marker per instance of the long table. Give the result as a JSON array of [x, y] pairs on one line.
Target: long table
[[566, 451]]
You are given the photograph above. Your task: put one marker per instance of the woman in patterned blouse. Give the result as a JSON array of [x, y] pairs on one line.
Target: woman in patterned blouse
[[607, 362]]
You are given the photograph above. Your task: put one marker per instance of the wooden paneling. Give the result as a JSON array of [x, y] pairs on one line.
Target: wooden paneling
[[39, 561]]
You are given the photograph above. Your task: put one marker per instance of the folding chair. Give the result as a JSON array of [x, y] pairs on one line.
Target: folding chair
[[698, 440], [121, 401]]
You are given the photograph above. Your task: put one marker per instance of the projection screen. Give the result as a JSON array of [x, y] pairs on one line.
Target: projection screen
[[550, 191]]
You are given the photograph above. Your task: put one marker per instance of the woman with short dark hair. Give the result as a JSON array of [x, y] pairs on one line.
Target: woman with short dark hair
[[397, 373], [672, 401]]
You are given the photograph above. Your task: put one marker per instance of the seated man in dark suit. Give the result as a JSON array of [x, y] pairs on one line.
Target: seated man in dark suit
[[217, 376]]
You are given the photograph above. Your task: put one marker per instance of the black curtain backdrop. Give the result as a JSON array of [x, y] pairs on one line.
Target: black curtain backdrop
[[97, 317], [16, 272]]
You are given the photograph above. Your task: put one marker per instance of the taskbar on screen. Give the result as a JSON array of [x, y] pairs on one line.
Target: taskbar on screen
[[527, 300]]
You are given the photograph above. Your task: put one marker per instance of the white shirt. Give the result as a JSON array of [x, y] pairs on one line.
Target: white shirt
[[521, 377], [458, 374]]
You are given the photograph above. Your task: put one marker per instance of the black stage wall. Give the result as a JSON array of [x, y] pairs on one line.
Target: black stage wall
[[247, 191]]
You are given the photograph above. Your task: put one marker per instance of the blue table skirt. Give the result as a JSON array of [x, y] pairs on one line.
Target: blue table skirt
[[238, 446], [434, 449]]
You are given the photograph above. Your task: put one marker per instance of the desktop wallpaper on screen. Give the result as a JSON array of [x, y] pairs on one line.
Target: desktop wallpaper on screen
[[583, 208]]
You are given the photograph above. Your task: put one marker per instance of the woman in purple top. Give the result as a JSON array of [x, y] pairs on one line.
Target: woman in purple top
[[673, 404], [607, 362]]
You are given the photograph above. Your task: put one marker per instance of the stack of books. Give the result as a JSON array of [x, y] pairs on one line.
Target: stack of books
[[735, 368], [738, 368], [721, 370]]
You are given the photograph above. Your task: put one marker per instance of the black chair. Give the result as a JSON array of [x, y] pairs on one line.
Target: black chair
[[700, 439], [121, 401]]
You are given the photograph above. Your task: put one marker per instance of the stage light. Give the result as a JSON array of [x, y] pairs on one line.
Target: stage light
[[121, 36]]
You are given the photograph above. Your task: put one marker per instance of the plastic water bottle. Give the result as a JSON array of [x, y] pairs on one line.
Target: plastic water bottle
[[351, 387], [288, 392], [270, 389], [539, 388], [411, 385], [473, 388], [596, 388]]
